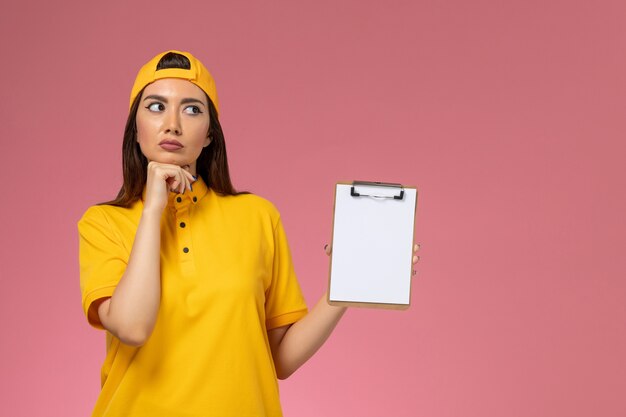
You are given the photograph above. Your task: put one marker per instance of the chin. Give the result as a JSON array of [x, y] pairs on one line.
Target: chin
[[169, 159]]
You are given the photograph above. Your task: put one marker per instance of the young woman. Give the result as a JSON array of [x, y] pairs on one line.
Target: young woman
[[192, 281]]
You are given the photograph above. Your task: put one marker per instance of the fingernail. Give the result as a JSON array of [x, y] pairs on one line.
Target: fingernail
[[191, 187], [195, 178]]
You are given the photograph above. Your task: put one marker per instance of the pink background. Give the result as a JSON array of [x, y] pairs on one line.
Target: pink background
[[507, 115]]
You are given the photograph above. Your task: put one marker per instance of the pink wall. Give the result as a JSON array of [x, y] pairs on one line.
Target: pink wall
[[508, 116]]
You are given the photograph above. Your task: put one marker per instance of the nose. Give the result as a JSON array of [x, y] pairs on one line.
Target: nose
[[172, 123]]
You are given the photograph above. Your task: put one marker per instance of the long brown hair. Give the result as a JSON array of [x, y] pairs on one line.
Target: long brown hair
[[211, 165]]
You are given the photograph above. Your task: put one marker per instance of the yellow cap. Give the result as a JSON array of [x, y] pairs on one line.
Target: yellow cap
[[197, 74]]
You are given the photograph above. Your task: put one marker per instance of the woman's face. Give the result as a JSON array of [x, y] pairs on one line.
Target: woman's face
[[173, 122]]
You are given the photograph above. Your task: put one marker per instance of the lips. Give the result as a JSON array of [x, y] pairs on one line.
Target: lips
[[171, 145]]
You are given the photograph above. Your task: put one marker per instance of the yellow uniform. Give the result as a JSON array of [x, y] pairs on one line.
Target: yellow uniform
[[226, 278]]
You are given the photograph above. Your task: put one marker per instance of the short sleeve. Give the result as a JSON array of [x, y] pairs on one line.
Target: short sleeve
[[102, 259], [284, 303]]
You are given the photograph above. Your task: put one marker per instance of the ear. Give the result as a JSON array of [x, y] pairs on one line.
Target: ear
[[207, 141]]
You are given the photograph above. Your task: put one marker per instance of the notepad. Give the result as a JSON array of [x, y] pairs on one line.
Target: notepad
[[372, 246]]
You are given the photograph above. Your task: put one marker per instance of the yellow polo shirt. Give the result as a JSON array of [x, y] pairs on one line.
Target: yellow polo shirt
[[226, 278]]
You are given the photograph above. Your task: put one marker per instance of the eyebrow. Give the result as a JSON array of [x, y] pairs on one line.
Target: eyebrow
[[164, 99]]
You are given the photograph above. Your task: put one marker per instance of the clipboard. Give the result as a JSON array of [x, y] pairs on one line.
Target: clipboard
[[371, 262]]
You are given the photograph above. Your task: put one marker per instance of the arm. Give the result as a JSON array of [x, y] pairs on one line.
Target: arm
[[295, 344], [130, 314]]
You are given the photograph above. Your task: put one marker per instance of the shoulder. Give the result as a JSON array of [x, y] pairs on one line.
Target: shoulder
[[256, 202], [251, 206], [93, 214], [106, 215]]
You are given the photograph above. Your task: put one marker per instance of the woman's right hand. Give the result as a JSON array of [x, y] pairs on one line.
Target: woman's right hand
[[163, 178]]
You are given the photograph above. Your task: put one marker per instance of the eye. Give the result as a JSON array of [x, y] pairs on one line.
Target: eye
[[156, 107], [192, 110]]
